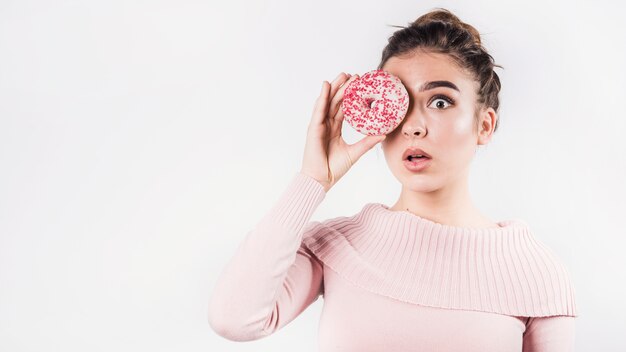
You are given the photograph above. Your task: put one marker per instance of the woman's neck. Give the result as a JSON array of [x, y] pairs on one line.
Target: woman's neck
[[448, 208]]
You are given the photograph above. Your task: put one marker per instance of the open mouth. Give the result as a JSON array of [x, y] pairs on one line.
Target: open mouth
[[413, 153], [416, 157]]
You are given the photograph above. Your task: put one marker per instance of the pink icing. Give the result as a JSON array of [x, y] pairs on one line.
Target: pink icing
[[375, 103]]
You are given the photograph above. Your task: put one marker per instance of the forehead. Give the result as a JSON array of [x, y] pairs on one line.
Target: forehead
[[415, 69]]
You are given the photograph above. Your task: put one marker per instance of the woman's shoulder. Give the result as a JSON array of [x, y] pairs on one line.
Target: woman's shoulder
[[338, 222]]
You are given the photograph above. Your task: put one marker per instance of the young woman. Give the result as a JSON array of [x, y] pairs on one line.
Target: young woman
[[430, 273]]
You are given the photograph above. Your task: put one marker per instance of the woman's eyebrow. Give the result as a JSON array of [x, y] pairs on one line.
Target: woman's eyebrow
[[435, 84]]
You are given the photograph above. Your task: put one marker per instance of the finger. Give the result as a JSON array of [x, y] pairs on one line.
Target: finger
[[336, 123], [359, 148], [337, 82], [336, 99], [320, 108]]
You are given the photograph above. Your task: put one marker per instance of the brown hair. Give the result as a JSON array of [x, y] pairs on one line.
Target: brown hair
[[442, 32]]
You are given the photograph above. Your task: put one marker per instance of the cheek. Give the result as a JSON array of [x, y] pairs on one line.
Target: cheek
[[456, 137], [462, 124], [455, 141], [458, 130]]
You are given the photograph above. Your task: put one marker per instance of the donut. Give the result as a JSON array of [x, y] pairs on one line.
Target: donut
[[375, 103]]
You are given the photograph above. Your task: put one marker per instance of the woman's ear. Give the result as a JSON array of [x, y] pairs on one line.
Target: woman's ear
[[488, 119]]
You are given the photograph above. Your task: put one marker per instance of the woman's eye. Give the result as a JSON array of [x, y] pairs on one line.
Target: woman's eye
[[441, 101]]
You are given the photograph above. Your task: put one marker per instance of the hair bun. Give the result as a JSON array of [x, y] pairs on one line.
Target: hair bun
[[445, 16]]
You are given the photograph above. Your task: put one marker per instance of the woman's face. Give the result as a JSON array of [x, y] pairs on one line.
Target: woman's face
[[439, 120]]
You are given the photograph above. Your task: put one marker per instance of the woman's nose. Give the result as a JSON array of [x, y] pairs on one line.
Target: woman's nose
[[413, 129]]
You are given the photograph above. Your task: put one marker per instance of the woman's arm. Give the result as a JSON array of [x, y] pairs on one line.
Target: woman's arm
[[272, 276], [549, 334]]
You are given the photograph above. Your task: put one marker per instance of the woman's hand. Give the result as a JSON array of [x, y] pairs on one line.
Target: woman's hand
[[327, 157]]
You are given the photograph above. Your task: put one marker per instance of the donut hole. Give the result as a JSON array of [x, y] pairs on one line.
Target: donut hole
[[370, 103]]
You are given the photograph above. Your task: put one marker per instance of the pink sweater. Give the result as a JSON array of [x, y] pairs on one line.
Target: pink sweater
[[393, 281]]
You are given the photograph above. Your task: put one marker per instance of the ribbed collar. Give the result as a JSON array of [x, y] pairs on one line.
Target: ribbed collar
[[398, 254], [506, 226]]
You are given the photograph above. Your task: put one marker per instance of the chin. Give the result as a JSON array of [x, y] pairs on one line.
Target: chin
[[417, 182], [413, 187]]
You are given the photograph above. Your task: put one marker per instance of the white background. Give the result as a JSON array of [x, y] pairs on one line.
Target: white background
[[141, 140]]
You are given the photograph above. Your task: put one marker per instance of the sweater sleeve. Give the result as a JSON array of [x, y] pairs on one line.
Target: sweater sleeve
[[549, 334], [272, 276]]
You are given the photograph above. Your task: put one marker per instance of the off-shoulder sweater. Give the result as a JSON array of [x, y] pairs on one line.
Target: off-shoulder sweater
[[394, 281]]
